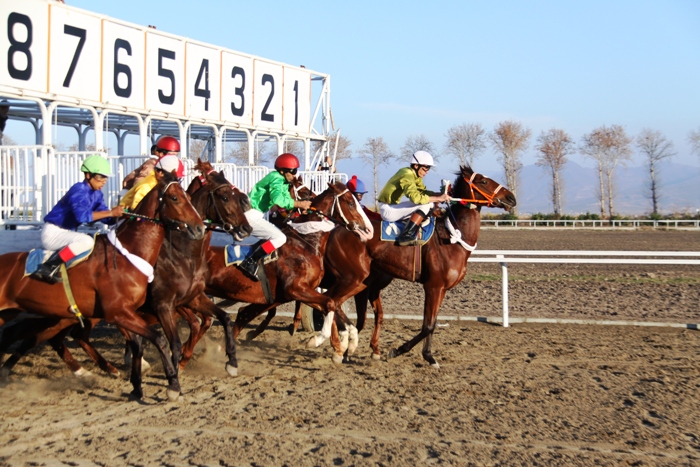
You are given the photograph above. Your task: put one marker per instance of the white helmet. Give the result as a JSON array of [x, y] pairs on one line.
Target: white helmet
[[422, 158]]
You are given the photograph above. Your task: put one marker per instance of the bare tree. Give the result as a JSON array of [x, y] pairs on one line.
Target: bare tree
[[466, 142], [417, 143], [618, 152], [694, 139], [594, 146], [554, 146], [656, 148], [344, 151], [509, 140], [375, 153], [75, 147], [196, 149], [262, 152]]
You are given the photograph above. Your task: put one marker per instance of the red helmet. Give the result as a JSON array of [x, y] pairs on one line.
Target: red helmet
[[286, 161], [169, 144]]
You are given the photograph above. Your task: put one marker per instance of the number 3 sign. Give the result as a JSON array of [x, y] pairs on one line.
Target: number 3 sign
[[105, 62]]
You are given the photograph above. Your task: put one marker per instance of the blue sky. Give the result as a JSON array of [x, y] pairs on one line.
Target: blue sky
[[407, 68]]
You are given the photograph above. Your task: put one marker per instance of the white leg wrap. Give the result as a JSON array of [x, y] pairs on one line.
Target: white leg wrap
[[344, 340], [354, 340]]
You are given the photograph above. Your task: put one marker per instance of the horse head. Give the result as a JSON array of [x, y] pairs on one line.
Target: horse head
[[169, 203], [340, 206], [473, 188], [299, 191], [218, 201]]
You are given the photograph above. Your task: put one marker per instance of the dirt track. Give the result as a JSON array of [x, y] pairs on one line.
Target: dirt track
[[532, 394]]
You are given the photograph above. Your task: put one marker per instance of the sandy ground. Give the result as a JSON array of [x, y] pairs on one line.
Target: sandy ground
[[531, 394]]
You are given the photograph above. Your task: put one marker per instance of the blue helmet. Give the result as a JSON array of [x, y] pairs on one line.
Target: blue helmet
[[355, 185]]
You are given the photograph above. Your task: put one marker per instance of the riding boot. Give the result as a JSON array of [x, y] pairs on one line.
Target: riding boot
[[50, 270], [251, 263], [410, 232]]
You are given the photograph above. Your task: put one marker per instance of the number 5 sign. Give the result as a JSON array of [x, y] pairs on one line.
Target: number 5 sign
[[144, 70]]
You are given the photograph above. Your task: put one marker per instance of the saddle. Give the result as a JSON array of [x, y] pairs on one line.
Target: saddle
[[236, 253], [391, 230], [38, 256]]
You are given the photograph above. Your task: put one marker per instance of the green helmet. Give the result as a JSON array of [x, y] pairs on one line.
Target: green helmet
[[96, 164]]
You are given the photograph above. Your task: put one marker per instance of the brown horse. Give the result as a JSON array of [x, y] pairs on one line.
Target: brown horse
[[107, 285], [299, 267], [179, 279], [443, 259]]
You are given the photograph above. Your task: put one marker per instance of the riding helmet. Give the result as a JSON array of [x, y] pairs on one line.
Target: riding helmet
[[96, 164], [286, 161], [170, 163], [422, 158], [169, 144], [355, 185]]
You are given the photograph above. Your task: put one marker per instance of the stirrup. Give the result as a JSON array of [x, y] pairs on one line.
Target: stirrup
[[250, 268], [48, 275]]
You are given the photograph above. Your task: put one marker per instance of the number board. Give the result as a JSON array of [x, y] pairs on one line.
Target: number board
[[105, 61]]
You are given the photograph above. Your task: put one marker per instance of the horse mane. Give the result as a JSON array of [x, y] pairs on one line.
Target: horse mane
[[204, 167]]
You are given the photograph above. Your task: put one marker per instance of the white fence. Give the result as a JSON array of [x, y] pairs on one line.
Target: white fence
[[34, 178], [604, 224], [579, 257]]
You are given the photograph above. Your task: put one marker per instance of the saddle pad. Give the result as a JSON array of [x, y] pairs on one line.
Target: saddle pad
[[37, 257], [236, 253], [391, 230]]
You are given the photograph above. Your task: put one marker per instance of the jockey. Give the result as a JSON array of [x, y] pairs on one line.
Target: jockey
[[357, 188], [144, 169], [83, 203], [408, 182], [272, 190], [168, 161]]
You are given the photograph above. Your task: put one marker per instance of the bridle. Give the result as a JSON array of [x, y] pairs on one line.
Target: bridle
[[211, 202], [343, 221], [163, 220], [489, 197]]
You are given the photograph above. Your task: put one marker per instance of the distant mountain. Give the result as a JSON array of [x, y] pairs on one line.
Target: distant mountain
[[679, 189]]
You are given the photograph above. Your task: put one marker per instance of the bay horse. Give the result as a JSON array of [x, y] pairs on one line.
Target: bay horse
[[179, 279], [368, 267], [299, 267], [107, 285]]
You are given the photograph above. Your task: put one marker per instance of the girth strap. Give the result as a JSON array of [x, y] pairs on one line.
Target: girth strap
[[69, 294]]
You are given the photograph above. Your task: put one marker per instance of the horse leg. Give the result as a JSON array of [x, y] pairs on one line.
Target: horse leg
[[32, 331], [378, 320], [297, 318], [433, 299], [247, 314], [195, 333], [82, 337], [132, 323], [262, 326], [145, 366], [8, 315]]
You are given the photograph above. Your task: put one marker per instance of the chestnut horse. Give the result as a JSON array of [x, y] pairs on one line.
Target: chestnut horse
[[179, 279], [355, 265], [299, 267], [107, 285]]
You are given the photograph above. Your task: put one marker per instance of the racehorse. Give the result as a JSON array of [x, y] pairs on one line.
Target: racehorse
[[179, 278], [299, 267], [107, 285], [442, 259]]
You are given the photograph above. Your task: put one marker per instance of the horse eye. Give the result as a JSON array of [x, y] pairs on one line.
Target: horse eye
[[173, 198], [225, 199]]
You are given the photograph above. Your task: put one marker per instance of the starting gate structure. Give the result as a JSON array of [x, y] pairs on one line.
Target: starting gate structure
[[117, 82]]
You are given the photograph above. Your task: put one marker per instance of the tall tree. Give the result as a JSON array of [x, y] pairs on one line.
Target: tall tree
[[417, 143], [618, 153], [196, 149], [553, 146], [594, 145], [694, 139], [344, 151], [466, 142], [375, 153], [655, 148], [262, 152], [509, 140]]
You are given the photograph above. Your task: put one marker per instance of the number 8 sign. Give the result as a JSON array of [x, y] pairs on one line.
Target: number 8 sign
[[105, 62]]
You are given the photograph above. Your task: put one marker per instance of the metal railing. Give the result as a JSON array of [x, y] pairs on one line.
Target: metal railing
[[503, 257], [602, 224]]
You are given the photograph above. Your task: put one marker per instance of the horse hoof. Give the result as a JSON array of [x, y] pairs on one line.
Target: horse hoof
[[435, 365], [337, 359], [231, 370], [82, 373], [250, 335], [376, 356], [391, 354], [173, 395], [314, 342], [135, 395], [145, 366], [291, 330]]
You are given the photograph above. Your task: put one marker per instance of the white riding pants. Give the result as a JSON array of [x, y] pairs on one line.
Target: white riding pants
[[54, 238], [395, 212], [263, 229]]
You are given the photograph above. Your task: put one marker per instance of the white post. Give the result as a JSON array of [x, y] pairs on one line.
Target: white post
[[504, 286]]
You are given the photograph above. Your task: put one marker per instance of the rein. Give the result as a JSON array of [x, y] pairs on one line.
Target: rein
[[336, 202], [167, 223], [221, 226]]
